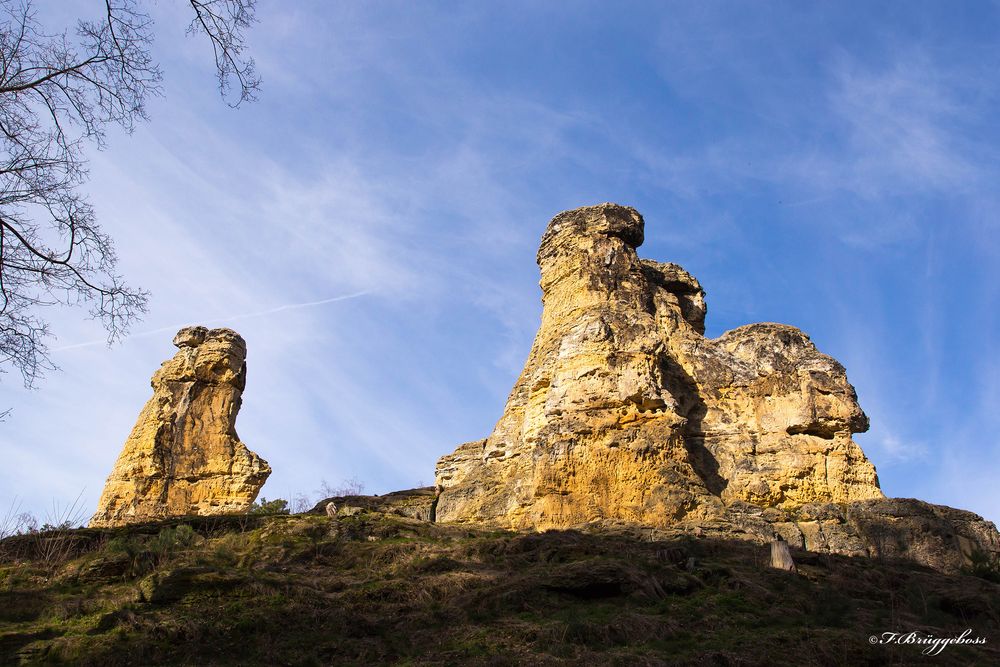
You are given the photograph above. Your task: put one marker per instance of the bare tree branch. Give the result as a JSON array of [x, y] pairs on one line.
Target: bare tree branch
[[59, 91], [224, 22]]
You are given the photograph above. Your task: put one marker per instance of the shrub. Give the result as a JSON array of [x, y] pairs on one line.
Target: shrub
[[347, 487], [269, 507], [147, 554], [983, 565]]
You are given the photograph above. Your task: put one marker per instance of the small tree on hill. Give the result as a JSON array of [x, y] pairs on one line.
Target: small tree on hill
[[269, 507]]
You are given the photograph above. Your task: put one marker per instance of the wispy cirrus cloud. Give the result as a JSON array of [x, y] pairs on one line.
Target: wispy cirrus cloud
[[895, 450], [226, 319]]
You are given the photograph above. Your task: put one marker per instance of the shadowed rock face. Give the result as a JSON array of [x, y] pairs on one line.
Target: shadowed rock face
[[183, 455], [626, 413]]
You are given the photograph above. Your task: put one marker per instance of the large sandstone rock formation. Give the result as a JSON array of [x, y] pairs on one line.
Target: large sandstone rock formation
[[626, 413], [183, 455]]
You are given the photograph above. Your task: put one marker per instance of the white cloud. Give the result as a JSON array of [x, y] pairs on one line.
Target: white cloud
[[895, 450], [900, 122]]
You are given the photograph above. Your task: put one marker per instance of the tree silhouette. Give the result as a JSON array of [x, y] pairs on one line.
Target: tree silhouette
[[59, 92]]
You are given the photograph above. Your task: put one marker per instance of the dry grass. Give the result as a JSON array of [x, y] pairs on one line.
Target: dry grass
[[376, 589]]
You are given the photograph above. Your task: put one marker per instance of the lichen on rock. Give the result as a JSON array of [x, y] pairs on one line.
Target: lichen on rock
[[183, 455]]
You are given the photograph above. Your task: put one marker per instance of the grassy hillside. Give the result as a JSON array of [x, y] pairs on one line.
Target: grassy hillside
[[375, 588]]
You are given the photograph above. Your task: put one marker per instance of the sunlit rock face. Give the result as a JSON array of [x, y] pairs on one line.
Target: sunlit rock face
[[183, 455], [626, 412]]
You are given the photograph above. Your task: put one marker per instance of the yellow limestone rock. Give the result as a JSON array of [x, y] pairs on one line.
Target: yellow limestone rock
[[625, 412], [183, 455]]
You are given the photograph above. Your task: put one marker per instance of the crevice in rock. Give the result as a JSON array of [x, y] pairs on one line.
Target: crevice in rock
[[691, 406], [818, 430]]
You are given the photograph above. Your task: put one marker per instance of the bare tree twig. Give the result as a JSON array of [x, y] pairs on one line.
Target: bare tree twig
[[58, 92]]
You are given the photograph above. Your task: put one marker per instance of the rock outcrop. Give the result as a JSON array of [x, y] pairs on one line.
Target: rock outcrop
[[412, 503], [183, 456], [626, 413], [944, 538]]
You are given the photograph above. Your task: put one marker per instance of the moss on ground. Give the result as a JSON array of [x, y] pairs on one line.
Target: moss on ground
[[375, 589]]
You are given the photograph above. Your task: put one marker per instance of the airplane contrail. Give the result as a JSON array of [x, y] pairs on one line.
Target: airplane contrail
[[231, 318]]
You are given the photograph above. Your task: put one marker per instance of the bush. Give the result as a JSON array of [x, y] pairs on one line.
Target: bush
[[147, 554], [269, 507], [347, 487], [983, 565]]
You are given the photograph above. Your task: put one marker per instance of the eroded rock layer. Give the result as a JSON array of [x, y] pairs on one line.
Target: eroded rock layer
[[183, 455], [626, 413]]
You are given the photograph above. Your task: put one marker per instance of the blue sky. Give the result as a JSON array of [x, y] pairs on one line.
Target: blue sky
[[830, 166]]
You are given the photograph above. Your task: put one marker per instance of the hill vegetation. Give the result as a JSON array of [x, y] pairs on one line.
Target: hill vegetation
[[376, 588]]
